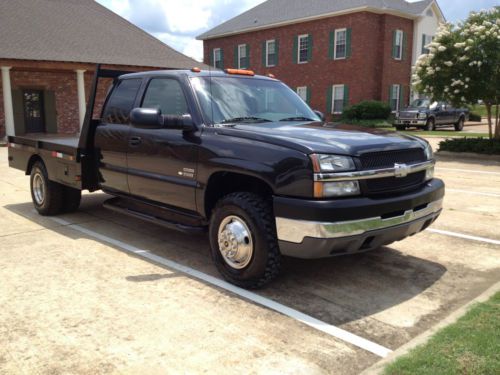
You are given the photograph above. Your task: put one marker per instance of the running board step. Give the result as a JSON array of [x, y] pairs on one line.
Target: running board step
[[118, 205]]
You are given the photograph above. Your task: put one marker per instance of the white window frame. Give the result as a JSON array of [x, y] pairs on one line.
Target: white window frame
[[334, 98], [335, 44], [239, 55], [302, 89], [399, 33], [267, 52], [298, 48], [397, 97], [216, 50]]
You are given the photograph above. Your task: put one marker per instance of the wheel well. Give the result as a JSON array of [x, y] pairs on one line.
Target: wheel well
[[31, 162], [223, 183]]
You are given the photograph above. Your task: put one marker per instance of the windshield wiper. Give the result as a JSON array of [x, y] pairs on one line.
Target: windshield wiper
[[245, 119], [297, 118]]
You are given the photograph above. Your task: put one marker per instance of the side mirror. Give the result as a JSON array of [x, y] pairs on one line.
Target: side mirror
[[183, 122], [148, 118], [320, 114]]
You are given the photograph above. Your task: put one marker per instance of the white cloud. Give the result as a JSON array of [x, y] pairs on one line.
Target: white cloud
[[177, 22]]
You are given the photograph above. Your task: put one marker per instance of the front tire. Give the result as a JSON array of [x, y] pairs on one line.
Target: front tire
[[430, 125], [400, 127], [47, 195], [243, 241], [459, 126]]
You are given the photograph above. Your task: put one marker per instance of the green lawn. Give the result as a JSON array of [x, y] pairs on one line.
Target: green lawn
[[470, 346]]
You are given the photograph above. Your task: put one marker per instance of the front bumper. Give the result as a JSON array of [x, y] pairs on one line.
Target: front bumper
[[410, 122], [305, 228]]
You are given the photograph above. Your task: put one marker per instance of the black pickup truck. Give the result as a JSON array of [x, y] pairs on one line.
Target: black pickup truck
[[422, 113], [241, 157]]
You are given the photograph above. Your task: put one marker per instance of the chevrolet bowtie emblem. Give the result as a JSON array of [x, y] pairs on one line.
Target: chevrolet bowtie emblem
[[401, 170]]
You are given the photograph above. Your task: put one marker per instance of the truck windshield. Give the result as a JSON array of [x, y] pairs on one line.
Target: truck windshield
[[420, 103], [229, 100]]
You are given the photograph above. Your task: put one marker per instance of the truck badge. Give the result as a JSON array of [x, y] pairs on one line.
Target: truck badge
[[401, 170]]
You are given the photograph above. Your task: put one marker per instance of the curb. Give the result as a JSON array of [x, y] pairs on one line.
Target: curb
[[467, 155], [421, 339]]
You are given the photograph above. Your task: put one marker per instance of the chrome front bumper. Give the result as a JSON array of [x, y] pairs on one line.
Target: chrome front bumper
[[292, 230], [410, 122]]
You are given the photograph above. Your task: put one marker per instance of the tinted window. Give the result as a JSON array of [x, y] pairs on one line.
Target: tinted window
[[121, 102], [166, 95]]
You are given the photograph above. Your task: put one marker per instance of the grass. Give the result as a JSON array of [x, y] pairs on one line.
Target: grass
[[470, 346]]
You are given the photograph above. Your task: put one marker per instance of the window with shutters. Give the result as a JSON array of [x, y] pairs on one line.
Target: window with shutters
[[398, 45], [340, 44], [426, 39], [395, 95], [302, 92], [217, 58], [303, 48], [271, 53], [242, 56], [338, 99]]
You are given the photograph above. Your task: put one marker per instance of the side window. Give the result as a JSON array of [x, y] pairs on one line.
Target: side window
[[121, 101], [167, 95]]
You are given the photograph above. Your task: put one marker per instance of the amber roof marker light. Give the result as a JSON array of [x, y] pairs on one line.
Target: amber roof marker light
[[196, 70], [241, 72]]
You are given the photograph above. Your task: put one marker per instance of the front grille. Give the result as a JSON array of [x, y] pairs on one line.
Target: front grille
[[408, 115], [387, 159], [393, 184]]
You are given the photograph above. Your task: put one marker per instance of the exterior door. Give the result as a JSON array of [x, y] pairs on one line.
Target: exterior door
[[34, 117], [162, 162], [111, 138]]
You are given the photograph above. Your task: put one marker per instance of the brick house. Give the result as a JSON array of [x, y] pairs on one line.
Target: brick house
[[48, 52], [332, 52]]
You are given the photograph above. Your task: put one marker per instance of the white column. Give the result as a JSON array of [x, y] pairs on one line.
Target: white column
[[7, 101], [80, 80]]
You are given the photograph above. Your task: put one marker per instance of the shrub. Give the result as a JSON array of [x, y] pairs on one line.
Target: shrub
[[368, 110], [474, 117], [477, 145]]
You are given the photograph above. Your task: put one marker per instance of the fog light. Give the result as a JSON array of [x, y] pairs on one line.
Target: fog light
[[337, 189], [429, 173]]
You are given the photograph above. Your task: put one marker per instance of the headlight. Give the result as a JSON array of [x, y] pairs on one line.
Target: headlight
[[336, 189], [332, 163], [397, 114], [422, 115], [429, 174], [428, 152]]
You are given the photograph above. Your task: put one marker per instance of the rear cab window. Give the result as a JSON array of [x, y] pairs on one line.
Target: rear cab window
[[121, 101]]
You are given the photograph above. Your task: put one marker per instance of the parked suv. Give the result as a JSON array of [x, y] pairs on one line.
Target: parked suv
[[243, 158], [423, 113]]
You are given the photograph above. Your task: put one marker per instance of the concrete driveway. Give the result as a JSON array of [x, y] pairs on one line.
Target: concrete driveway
[[79, 296]]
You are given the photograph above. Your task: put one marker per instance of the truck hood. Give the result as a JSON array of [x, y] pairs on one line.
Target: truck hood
[[318, 137]]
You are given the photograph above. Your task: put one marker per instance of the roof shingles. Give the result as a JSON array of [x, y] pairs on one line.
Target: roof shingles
[[79, 31]]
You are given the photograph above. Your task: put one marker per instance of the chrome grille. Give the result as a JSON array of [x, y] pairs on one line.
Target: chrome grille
[[408, 115]]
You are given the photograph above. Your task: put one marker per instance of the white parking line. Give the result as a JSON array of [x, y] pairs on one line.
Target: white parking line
[[473, 192], [466, 236], [329, 329], [467, 170]]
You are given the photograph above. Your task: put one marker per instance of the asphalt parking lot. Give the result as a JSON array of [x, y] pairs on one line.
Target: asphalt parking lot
[[94, 292]]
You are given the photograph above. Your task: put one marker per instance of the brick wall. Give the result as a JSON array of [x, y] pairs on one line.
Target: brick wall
[[368, 72]]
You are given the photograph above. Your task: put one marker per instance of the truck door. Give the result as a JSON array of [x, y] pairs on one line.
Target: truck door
[[162, 162], [112, 135]]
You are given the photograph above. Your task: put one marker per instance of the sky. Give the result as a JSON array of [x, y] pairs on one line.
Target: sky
[[178, 22]]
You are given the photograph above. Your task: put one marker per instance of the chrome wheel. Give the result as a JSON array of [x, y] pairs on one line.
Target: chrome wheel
[[235, 242], [38, 188]]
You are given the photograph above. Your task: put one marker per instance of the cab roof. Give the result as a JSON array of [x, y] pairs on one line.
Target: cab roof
[[193, 73]]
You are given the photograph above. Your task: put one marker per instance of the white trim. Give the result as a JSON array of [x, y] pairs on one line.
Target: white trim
[[302, 88], [82, 106], [399, 32], [311, 18], [335, 44], [333, 98], [308, 320], [7, 101], [267, 52], [298, 48], [213, 57], [239, 55]]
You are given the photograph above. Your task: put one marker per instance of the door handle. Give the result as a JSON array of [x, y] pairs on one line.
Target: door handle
[[134, 141]]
